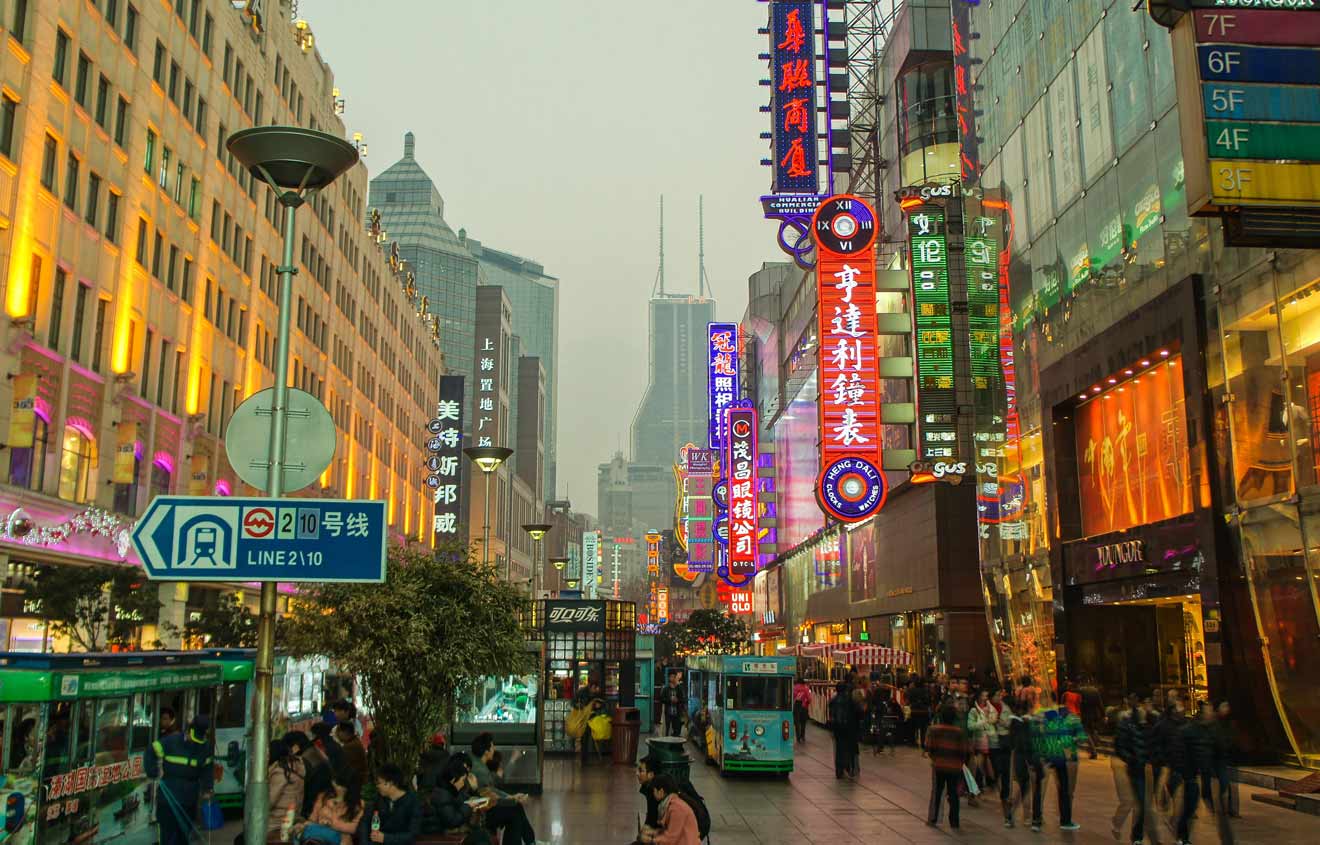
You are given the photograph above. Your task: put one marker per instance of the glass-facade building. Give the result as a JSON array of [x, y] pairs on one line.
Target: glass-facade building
[[1146, 474], [673, 409], [412, 213]]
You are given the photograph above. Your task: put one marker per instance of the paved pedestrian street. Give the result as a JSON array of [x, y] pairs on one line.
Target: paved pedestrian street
[[600, 804]]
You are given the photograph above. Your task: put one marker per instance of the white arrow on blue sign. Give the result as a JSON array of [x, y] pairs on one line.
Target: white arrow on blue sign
[[187, 538]]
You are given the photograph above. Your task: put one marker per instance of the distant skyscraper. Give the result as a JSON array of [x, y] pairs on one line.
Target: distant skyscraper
[[673, 410], [413, 214], [534, 297]]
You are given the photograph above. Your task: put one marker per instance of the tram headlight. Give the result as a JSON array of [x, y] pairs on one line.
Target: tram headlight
[[759, 730], [733, 729]]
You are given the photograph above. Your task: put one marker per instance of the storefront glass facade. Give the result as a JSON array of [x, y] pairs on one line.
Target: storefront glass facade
[[1078, 176]]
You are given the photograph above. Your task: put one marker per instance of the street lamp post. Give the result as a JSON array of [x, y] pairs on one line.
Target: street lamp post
[[537, 531], [559, 563], [295, 163], [488, 458]]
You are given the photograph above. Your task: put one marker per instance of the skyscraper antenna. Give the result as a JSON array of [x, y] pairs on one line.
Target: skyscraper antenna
[[702, 282], [660, 277]]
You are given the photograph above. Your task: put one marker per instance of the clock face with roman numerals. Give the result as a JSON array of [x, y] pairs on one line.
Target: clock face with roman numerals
[[844, 225]]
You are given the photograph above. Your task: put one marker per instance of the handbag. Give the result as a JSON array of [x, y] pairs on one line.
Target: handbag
[[213, 818], [576, 723], [972, 787], [601, 730]]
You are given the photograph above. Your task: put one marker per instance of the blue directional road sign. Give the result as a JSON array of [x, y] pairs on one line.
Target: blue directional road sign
[[187, 538]]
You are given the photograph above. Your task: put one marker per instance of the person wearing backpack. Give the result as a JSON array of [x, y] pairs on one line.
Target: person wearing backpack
[[678, 822]]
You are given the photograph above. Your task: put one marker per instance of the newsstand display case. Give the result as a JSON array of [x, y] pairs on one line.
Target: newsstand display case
[[590, 649]]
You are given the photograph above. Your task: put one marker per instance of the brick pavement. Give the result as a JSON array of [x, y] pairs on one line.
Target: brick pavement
[[600, 804]]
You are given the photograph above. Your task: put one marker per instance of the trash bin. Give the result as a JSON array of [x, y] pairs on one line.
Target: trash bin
[[671, 757], [627, 730]]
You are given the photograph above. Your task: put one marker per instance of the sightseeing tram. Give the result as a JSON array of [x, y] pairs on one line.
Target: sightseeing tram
[[750, 703]]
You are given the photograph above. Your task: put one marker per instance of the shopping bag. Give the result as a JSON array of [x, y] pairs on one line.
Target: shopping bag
[[213, 818], [972, 788], [576, 723], [600, 727]]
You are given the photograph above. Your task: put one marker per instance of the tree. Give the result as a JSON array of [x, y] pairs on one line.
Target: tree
[[418, 642], [95, 606], [227, 625], [707, 632]]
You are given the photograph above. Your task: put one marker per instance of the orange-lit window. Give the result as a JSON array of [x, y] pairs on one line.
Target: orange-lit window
[[1132, 459]]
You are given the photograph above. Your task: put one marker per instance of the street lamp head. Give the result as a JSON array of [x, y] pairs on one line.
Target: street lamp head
[[488, 458], [559, 562], [538, 529], [291, 157]]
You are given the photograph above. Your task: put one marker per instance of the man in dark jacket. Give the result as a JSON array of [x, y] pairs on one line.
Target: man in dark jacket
[[844, 724], [673, 704], [1131, 749], [395, 817], [1162, 748], [449, 807], [182, 761], [1194, 757], [918, 699]]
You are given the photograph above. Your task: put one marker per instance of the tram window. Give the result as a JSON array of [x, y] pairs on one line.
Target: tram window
[[22, 746], [143, 722], [748, 693], [232, 705], [205, 701], [111, 730], [84, 733]]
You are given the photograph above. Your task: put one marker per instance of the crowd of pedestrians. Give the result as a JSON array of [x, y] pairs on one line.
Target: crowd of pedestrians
[[1013, 738]]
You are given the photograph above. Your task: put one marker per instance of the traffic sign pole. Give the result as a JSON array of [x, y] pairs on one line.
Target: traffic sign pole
[[256, 807]]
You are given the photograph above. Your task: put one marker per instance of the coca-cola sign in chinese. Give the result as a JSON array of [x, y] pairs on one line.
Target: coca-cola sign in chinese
[[741, 459], [575, 616], [851, 485]]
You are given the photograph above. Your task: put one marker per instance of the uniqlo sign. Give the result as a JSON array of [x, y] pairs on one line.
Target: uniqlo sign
[[741, 460], [851, 485]]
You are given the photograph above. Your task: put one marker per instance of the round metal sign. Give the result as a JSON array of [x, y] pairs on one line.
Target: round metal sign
[[433, 463], [309, 439], [851, 489], [433, 481], [435, 426]]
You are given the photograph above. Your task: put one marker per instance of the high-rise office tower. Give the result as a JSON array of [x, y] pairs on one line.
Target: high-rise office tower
[[673, 410]]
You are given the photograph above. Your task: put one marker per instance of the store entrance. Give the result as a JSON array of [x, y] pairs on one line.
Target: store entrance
[[1112, 643]]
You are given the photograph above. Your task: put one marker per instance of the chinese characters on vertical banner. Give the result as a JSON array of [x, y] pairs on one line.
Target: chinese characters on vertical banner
[[722, 377], [793, 110], [653, 552], [444, 444], [741, 460], [851, 485], [700, 511], [486, 398], [937, 401]]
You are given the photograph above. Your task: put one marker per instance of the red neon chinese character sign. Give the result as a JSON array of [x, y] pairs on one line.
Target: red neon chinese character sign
[[851, 485], [743, 530]]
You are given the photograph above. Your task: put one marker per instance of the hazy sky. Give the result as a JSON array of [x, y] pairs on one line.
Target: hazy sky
[[551, 127]]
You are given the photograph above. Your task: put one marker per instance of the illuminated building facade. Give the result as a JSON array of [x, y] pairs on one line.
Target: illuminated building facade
[[1150, 517], [139, 283]]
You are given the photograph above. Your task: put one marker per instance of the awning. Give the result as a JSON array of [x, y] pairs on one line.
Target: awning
[[863, 654]]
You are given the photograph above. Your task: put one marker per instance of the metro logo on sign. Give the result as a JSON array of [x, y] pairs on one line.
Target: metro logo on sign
[[258, 523], [851, 485]]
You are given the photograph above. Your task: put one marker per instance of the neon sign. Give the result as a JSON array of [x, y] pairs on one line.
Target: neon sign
[[699, 506], [743, 515], [793, 114], [444, 445], [851, 485], [653, 553], [722, 377], [937, 401]]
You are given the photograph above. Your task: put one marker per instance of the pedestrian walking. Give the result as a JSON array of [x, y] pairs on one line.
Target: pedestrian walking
[[673, 703], [983, 733], [840, 724], [1195, 760], [1060, 735], [947, 745], [1164, 737], [801, 708], [1132, 754], [1028, 773], [919, 703], [1001, 751]]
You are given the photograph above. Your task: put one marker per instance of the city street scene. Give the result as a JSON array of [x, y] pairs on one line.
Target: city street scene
[[698, 422]]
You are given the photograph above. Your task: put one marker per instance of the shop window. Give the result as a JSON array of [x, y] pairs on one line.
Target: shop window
[[126, 495], [162, 474], [78, 465], [27, 467], [1132, 456]]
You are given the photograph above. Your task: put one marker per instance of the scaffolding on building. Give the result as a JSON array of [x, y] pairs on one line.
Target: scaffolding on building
[[869, 23]]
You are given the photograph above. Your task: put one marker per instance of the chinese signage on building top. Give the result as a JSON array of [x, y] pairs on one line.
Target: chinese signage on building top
[[851, 485], [444, 445]]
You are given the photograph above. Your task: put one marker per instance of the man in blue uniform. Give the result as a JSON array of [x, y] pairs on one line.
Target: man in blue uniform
[[183, 762]]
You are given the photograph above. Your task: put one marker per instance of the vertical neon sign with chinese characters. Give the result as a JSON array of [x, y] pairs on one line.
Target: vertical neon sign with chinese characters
[[486, 398], [444, 445], [851, 485], [700, 511], [722, 377], [937, 401], [793, 111], [743, 511], [653, 552]]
